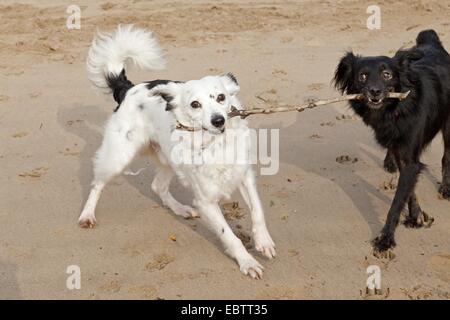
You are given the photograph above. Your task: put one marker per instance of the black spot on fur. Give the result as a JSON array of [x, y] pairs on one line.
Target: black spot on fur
[[119, 84], [168, 99], [151, 84]]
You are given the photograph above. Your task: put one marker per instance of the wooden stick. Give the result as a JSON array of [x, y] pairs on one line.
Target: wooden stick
[[309, 105]]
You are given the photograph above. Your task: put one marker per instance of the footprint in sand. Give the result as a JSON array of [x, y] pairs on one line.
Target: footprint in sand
[[279, 72], [20, 134], [316, 86], [245, 238], [145, 291], [232, 211], [328, 124], [111, 287], [269, 96], [280, 293], [346, 159], [35, 173], [440, 264], [159, 262]]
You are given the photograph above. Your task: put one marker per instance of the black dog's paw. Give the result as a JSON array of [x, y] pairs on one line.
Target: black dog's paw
[[390, 165], [382, 246], [423, 220], [444, 191]]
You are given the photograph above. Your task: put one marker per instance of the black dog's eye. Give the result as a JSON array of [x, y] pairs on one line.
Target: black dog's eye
[[387, 75], [196, 104], [363, 77], [221, 97]]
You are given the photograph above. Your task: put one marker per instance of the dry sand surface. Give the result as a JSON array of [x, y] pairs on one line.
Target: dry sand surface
[[322, 213]]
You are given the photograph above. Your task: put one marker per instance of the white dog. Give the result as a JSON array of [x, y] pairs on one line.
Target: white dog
[[148, 115]]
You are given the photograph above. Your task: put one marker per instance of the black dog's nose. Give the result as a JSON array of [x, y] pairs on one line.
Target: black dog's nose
[[375, 92], [218, 121]]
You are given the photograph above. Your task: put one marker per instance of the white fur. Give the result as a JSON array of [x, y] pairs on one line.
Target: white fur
[[142, 124], [109, 53]]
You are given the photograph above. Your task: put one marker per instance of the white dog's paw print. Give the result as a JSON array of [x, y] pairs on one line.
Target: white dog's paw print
[[186, 212], [250, 267], [264, 243], [87, 221]]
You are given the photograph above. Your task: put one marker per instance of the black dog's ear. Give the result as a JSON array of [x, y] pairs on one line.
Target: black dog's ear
[[344, 72], [405, 57]]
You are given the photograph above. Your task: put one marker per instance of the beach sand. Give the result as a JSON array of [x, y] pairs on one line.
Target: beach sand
[[322, 213]]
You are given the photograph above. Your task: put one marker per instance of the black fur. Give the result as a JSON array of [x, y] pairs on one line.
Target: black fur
[[119, 84], [232, 77], [406, 127], [154, 83], [168, 98]]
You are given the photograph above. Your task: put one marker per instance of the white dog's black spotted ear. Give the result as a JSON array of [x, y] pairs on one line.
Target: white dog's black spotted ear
[[168, 98], [168, 92], [232, 77], [231, 84]]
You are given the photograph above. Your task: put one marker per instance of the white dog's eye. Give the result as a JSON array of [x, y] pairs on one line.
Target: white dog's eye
[[221, 97], [196, 104]]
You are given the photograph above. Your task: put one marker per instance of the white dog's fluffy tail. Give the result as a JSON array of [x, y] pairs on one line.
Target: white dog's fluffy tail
[[110, 52]]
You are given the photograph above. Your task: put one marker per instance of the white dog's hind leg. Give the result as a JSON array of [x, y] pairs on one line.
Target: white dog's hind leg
[[160, 186], [212, 216], [116, 152], [263, 240]]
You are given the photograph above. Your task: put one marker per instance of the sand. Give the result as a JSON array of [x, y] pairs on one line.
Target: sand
[[322, 213]]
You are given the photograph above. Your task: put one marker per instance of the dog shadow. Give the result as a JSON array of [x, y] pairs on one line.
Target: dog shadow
[[9, 286], [87, 122], [354, 186]]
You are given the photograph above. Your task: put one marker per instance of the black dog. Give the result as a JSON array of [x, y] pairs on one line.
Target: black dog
[[405, 127]]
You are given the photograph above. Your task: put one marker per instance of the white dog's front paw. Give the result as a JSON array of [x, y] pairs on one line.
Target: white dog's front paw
[[87, 221], [186, 212], [264, 243], [250, 267]]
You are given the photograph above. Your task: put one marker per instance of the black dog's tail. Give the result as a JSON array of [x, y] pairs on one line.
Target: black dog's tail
[[109, 53], [429, 37]]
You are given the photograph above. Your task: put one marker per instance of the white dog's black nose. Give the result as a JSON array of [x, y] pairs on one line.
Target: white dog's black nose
[[218, 121]]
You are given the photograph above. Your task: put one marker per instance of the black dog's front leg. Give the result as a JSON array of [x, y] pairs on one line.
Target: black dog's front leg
[[390, 164], [444, 190], [417, 218], [406, 184]]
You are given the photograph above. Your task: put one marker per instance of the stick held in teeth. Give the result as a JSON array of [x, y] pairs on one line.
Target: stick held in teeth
[[309, 105]]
